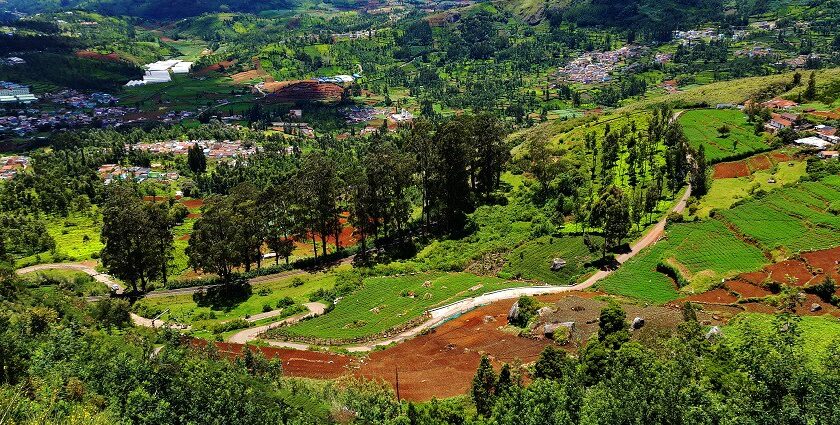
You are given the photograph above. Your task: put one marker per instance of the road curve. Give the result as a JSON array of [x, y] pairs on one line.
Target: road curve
[[444, 313], [250, 334], [109, 281]]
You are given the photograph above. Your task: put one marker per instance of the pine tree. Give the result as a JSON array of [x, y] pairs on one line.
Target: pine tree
[[811, 90], [483, 386]]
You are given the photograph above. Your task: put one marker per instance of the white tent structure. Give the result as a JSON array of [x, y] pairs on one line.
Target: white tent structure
[[161, 72]]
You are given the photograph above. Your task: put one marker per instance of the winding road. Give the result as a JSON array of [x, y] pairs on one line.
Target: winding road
[[441, 314], [438, 315], [110, 282]]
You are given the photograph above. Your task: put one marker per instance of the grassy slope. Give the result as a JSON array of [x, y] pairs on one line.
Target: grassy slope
[[183, 308], [384, 303], [532, 260], [701, 126], [783, 221], [818, 332]]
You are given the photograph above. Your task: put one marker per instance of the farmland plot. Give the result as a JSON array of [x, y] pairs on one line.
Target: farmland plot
[[702, 252], [793, 218]]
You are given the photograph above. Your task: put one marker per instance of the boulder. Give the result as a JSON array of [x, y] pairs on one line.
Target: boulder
[[815, 307], [513, 313], [550, 329], [557, 264], [637, 323], [544, 311], [714, 333]]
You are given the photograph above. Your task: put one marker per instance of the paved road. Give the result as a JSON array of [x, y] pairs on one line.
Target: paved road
[[99, 277], [444, 313], [250, 334]]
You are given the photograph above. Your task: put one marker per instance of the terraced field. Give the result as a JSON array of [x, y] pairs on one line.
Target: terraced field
[[700, 127], [701, 253], [793, 219], [387, 302]]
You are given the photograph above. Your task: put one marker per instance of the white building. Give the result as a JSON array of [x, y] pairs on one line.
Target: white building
[[813, 142], [161, 72]]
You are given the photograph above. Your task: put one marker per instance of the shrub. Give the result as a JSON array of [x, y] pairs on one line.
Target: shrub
[[296, 282], [527, 310], [264, 292], [285, 302], [266, 308], [231, 325]]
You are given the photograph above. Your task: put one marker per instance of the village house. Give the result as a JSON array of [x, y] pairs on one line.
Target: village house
[[779, 103], [780, 121], [829, 155], [827, 133]]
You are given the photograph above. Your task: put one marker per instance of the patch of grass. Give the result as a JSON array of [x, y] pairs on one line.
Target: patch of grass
[[791, 219], [183, 309], [532, 260], [701, 128], [79, 283], [386, 302], [76, 238]]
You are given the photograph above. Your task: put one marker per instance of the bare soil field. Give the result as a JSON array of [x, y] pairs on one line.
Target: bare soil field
[[729, 170]]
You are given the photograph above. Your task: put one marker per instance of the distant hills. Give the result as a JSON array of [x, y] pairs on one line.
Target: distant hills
[[151, 9]]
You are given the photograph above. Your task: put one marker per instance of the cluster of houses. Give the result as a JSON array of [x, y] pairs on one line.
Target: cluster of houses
[[823, 136], [79, 100], [686, 37], [754, 52], [10, 165], [31, 120], [596, 67], [358, 114], [112, 172], [225, 149]]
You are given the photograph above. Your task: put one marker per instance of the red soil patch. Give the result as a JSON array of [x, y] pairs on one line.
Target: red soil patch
[[746, 289], [193, 215], [826, 260], [715, 296], [443, 362], [306, 364], [729, 170], [790, 272], [216, 67], [110, 57], [760, 162], [759, 308], [193, 203], [755, 278], [244, 76], [166, 39], [307, 91], [184, 238], [781, 156]]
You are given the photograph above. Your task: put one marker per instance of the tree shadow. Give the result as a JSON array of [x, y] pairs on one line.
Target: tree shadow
[[224, 297]]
